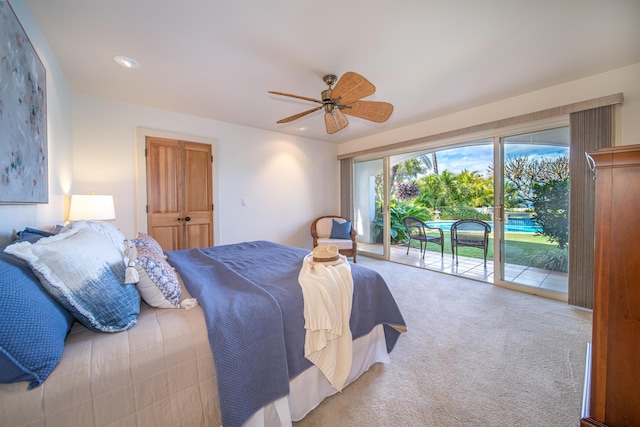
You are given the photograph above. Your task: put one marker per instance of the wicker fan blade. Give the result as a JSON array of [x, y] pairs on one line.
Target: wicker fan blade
[[297, 116], [296, 96], [351, 87], [375, 111], [335, 121]]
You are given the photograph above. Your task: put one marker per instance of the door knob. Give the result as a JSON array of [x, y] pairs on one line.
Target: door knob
[[187, 218]]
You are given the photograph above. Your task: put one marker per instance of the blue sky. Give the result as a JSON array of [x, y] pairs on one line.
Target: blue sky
[[479, 157]]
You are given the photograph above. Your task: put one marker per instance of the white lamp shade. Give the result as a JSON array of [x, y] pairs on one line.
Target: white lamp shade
[[91, 207]]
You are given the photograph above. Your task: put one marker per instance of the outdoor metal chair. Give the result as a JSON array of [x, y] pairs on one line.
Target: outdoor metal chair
[[418, 230], [471, 233]]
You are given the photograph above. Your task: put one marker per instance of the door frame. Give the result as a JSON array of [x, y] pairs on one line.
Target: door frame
[[140, 201]]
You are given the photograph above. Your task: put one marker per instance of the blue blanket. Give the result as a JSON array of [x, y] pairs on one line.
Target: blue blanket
[[253, 308]]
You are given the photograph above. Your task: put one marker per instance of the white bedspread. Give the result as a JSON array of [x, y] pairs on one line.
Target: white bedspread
[[328, 294]]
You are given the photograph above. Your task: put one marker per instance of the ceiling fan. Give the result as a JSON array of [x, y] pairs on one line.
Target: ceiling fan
[[343, 99]]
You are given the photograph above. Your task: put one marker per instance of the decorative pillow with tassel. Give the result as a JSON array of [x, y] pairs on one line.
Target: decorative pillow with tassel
[[158, 283], [148, 242]]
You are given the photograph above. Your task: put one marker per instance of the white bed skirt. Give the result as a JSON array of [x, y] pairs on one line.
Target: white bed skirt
[[310, 388]]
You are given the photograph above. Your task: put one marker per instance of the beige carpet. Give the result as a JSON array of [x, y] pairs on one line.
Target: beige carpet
[[474, 355]]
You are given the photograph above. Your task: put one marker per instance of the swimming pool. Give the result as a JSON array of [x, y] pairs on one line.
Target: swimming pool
[[509, 228]]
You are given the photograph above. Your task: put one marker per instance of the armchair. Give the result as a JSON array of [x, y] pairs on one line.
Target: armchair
[[342, 234]]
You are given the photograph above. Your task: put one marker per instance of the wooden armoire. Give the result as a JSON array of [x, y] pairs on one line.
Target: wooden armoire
[[179, 193], [614, 378]]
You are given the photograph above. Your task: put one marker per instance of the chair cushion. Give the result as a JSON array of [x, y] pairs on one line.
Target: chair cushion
[[341, 243], [340, 230], [323, 227]]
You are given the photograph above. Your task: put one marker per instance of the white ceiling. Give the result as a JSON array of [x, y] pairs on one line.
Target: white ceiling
[[217, 59]]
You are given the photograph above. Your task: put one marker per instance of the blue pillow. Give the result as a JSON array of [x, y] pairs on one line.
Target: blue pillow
[[33, 326], [33, 235], [341, 230]]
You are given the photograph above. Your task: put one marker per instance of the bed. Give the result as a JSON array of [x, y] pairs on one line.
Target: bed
[[161, 370]]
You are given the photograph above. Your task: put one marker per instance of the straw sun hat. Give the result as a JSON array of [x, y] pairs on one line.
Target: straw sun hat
[[325, 254]]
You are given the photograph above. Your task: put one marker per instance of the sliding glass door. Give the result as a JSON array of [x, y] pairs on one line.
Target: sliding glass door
[[517, 184], [532, 210], [371, 209]]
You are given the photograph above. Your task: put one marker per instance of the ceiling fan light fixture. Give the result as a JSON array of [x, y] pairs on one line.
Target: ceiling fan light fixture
[[126, 62], [328, 108]]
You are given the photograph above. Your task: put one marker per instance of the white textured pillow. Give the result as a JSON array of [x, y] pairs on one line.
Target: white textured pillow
[[109, 231], [83, 271]]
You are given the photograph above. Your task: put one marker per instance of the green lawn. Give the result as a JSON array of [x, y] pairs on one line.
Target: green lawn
[[520, 247]]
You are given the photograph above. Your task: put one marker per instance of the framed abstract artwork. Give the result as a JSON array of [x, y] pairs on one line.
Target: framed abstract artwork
[[23, 116]]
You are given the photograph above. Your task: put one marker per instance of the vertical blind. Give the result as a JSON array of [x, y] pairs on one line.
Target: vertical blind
[[346, 188], [590, 130]]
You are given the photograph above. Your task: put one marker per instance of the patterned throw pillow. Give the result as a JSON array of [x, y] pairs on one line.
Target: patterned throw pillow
[[84, 272], [33, 327], [158, 285], [146, 241]]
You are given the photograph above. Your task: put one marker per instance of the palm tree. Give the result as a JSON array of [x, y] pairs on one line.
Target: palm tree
[[434, 162], [410, 169]]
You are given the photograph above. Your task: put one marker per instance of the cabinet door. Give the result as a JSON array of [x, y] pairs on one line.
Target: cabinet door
[[623, 322], [615, 371], [164, 182]]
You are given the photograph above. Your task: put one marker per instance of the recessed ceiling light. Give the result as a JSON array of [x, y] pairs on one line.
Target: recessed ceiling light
[[126, 62], [303, 128]]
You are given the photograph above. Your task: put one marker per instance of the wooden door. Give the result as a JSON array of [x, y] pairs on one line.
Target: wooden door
[[179, 193], [197, 196]]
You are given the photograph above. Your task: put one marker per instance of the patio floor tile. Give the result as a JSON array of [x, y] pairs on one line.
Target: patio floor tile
[[474, 268]]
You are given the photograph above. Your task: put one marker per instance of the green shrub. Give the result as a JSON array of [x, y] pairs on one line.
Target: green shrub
[[398, 211], [554, 259], [551, 204], [462, 212]]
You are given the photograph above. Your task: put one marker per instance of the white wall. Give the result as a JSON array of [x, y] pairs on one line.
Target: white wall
[[625, 80], [59, 131], [287, 181]]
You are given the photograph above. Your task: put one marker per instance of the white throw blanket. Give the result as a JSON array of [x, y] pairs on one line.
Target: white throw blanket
[[328, 294]]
